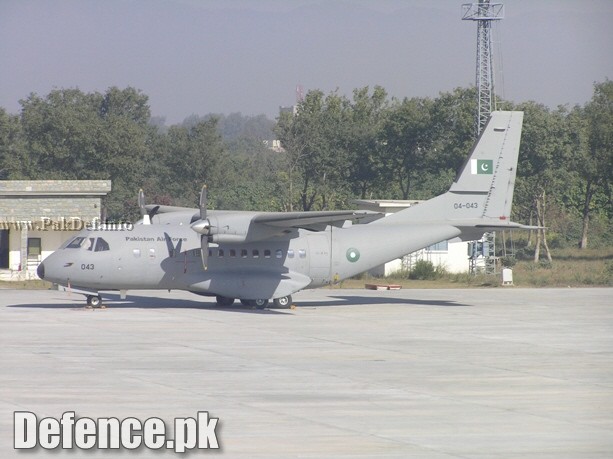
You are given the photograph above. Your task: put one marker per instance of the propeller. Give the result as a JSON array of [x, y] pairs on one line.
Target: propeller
[[141, 205], [203, 226]]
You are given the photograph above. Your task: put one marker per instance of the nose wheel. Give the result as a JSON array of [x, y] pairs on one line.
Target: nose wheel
[[95, 301]]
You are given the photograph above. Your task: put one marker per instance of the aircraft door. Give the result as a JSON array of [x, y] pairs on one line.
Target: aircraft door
[[319, 254]]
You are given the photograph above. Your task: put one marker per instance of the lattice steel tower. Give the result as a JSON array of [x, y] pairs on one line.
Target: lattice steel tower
[[484, 13]]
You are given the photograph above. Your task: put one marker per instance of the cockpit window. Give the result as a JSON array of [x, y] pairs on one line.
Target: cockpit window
[[76, 243], [101, 245], [89, 245]]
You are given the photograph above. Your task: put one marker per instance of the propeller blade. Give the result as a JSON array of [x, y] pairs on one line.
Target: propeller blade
[[204, 245], [141, 202], [203, 202], [202, 226], [141, 205]]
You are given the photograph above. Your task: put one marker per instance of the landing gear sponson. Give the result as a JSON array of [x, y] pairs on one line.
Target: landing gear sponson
[[279, 303]]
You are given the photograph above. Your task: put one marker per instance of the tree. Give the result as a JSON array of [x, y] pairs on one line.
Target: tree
[[407, 138], [544, 153], [192, 158], [361, 138], [13, 161], [315, 154], [595, 160], [74, 135]]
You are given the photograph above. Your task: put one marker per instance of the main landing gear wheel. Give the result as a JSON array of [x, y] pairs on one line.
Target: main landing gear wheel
[[94, 301], [224, 301], [257, 304], [284, 302]]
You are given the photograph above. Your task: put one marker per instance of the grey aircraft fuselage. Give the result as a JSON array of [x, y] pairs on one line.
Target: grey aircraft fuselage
[[262, 256], [160, 256]]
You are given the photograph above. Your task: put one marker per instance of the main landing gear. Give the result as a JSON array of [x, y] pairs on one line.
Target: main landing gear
[[94, 301], [278, 303]]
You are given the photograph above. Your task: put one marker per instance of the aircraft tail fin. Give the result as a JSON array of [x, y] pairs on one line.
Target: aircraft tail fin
[[482, 193], [490, 170]]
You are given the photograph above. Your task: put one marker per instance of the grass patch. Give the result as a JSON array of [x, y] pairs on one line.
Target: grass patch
[[570, 267], [34, 284]]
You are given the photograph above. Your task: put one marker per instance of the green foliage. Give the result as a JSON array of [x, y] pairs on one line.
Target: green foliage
[[336, 149], [423, 270]]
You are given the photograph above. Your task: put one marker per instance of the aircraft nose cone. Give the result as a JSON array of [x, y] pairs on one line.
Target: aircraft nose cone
[[41, 270]]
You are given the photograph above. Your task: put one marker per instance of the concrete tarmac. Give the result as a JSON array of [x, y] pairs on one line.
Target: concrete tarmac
[[493, 373]]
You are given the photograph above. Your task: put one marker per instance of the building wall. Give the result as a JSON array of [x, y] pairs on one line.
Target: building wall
[[52, 210]]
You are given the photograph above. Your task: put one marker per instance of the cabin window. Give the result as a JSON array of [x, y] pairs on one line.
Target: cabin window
[[290, 253], [220, 253], [266, 253], [136, 253], [151, 253], [233, 253], [101, 245], [89, 245], [244, 253], [302, 253], [255, 253], [279, 253], [75, 243]]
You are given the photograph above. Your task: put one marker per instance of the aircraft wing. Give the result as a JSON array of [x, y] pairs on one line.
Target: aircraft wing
[[168, 209], [315, 221]]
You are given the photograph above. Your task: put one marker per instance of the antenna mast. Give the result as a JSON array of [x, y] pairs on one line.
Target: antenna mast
[[484, 13]]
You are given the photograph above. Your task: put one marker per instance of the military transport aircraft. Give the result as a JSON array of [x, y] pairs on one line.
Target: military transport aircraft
[[261, 256]]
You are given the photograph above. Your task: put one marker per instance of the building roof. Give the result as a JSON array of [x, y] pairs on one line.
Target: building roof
[[9, 188]]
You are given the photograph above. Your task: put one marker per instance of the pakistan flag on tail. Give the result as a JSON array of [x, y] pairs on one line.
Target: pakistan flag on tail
[[481, 166]]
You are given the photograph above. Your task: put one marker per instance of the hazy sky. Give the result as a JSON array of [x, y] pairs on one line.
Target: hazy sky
[[224, 56]]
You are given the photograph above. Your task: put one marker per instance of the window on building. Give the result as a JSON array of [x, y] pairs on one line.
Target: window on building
[[244, 253], [233, 253], [220, 253], [266, 253], [255, 253], [442, 246], [279, 253], [34, 247]]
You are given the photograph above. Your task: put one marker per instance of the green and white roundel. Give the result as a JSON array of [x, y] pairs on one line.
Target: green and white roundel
[[353, 255]]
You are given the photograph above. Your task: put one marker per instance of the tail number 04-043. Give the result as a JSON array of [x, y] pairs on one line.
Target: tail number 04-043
[[465, 205]]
